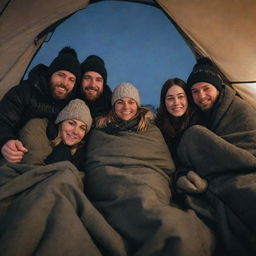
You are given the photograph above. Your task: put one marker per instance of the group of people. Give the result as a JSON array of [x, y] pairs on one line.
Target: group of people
[[88, 170]]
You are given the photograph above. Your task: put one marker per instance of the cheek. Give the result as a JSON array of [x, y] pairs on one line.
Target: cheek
[[117, 108], [100, 86], [185, 103], [81, 134], [85, 84], [135, 108], [168, 104]]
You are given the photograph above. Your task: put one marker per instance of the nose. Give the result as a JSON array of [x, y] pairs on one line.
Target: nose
[[125, 105], [65, 81], [92, 82], [75, 130], [201, 94], [176, 101]]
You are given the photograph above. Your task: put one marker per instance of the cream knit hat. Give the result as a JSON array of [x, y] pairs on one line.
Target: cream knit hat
[[125, 90], [76, 109]]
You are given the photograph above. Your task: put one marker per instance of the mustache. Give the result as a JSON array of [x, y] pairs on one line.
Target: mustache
[[61, 86], [91, 88]]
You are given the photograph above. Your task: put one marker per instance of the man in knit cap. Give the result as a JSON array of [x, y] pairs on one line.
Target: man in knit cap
[[221, 149], [94, 89], [46, 91]]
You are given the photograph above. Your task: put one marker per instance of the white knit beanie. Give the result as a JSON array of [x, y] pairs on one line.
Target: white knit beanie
[[125, 90], [76, 109]]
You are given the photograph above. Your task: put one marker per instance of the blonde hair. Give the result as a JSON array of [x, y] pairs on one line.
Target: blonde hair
[[144, 114], [55, 142]]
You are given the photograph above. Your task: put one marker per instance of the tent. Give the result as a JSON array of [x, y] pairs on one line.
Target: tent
[[221, 30]]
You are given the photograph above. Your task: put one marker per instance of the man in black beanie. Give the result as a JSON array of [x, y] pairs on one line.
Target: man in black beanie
[[205, 84], [94, 89], [46, 91], [222, 150]]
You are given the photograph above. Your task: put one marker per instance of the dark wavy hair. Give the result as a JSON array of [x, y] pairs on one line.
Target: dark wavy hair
[[170, 125]]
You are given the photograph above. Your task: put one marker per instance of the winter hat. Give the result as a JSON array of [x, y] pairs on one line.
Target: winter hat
[[205, 71], [96, 64], [66, 60], [125, 90], [76, 109]]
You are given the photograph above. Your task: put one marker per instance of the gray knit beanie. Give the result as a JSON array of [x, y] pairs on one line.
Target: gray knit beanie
[[76, 109], [125, 90]]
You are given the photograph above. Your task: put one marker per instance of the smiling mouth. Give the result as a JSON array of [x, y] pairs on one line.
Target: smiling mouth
[[91, 89], [61, 88]]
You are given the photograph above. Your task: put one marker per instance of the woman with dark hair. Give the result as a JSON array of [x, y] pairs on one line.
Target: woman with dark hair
[[175, 114]]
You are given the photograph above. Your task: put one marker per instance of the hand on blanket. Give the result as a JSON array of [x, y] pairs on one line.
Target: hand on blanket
[[192, 183], [13, 151]]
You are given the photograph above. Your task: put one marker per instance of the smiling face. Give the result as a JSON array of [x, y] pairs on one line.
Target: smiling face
[[176, 101], [126, 108], [72, 131], [62, 83], [92, 85], [204, 95]]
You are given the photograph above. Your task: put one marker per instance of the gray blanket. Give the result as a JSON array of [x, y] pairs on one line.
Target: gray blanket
[[128, 180], [43, 211], [225, 154]]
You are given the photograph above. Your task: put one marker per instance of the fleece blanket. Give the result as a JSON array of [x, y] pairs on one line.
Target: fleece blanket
[[128, 180], [43, 211], [225, 154]]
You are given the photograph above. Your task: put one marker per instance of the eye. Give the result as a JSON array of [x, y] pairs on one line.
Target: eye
[[70, 122], [86, 78], [119, 102], [83, 128], [131, 102]]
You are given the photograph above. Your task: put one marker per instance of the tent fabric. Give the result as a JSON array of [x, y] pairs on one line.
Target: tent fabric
[[223, 31], [20, 23]]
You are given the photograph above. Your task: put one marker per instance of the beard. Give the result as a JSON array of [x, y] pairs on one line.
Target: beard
[[91, 94], [59, 91]]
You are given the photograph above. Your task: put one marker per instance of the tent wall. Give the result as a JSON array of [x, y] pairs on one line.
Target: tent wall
[[223, 31], [20, 23]]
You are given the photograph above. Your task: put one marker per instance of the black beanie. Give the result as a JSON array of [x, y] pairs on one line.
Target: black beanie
[[96, 64], [205, 71], [66, 60]]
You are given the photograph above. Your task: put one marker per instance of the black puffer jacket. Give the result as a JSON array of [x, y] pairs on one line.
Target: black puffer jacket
[[31, 98]]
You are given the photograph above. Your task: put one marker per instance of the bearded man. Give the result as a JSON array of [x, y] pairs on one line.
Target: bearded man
[[93, 88], [46, 91]]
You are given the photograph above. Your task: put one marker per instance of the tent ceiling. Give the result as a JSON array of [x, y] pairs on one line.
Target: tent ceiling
[[20, 23], [222, 30]]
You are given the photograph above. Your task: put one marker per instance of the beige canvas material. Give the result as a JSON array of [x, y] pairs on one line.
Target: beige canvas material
[[20, 23], [223, 31]]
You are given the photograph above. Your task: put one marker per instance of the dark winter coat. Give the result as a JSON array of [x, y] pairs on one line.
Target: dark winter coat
[[31, 98]]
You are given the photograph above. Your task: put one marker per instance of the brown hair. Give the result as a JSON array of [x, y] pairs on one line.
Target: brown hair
[[169, 124]]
